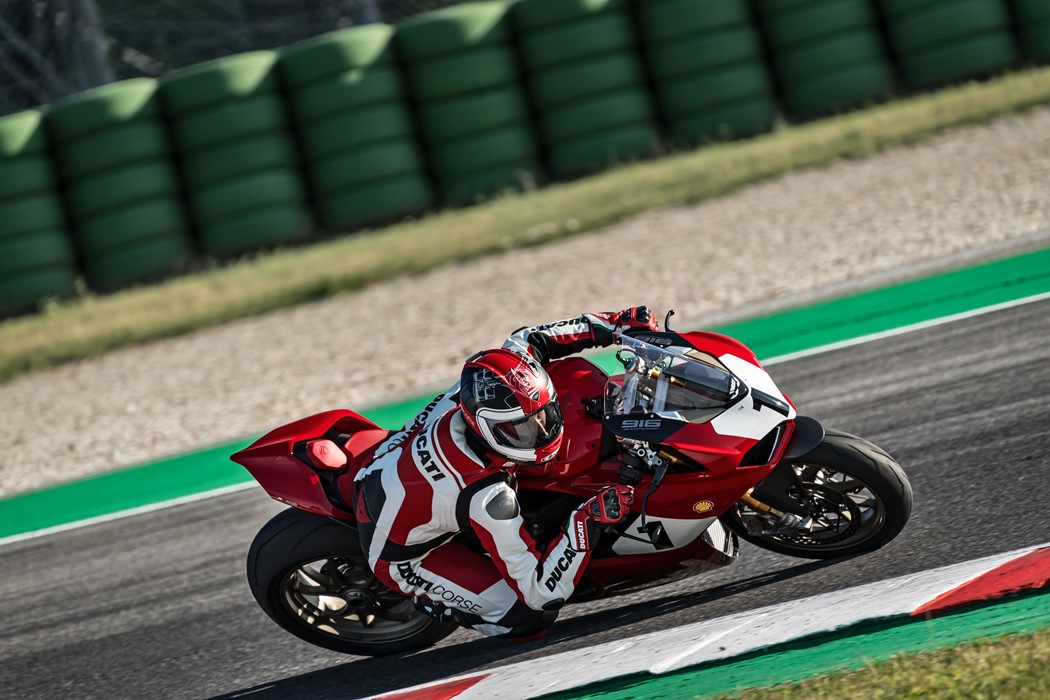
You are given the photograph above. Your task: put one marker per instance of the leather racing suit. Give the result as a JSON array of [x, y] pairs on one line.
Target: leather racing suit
[[434, 479]]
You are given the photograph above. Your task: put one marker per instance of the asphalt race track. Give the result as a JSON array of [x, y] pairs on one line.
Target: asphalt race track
[[157, 605]]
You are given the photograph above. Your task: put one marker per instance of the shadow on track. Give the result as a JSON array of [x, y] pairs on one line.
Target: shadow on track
[[371, 676]]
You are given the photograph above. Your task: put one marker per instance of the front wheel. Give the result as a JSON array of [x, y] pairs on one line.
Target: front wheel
[[309, 575], [858, 499]]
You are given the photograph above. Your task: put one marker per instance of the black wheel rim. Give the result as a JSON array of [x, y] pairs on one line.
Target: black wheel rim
[[845, 511], [340, 597]]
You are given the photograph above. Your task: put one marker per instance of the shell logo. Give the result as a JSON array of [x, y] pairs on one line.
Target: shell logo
[[703, 506]]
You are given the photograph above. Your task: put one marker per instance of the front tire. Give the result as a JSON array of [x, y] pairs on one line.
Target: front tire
[[308, 573], [859, 499]]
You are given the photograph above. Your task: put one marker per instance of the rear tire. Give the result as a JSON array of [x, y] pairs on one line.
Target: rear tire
[[860, 500], [301, 569]]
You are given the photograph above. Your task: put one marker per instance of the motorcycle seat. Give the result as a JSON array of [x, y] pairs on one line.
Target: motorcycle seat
[[326, 454]]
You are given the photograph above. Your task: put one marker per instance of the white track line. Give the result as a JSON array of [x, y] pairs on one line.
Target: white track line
[[922, 325], [830, 347], [204, 495], [716, 639]]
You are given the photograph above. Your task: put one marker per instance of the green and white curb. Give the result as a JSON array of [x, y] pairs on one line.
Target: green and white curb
[[641, 662], [804, 331]]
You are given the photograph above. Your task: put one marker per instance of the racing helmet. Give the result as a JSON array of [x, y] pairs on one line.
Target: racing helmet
[[509, 401]]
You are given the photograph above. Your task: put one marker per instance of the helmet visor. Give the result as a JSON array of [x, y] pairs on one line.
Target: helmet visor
[[534, 430]]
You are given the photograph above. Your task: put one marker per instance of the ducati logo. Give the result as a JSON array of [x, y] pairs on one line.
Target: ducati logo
[[703, 506]]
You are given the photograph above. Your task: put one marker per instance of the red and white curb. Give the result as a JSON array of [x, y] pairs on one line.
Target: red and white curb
[[925, 593]]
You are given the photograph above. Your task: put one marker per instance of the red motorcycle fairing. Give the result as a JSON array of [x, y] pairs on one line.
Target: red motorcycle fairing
[[280, 463], [706, 492]]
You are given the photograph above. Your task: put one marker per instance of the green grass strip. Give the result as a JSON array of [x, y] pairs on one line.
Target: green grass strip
[[853, 648], [799, 329], [93, 325]]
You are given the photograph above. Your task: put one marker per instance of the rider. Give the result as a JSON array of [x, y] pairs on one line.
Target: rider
[[452, 470]]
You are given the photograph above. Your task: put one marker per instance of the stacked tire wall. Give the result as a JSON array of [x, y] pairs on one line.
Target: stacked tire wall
[[587, 83], [127, 183], [359, 145], [237, 156], [828, 54], [464, 82], [942, 41], [1033, 24], [120, 184], [708, 69], [36, 257]]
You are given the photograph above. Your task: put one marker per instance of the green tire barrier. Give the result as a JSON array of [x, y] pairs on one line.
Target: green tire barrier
[[363, 100], [950, 40], [354, 127], [133, 142], [346, 92], [332, 54], [453, 30], [709, 91], [243, 157], [1033, 25], [467, 72], [459, 159], [463, 79], [42, 249], [587, 82], [724, 122], [248, 192], [21, 135], [611, 146], [99, 109], [697, 54], [25, 176], [132, 227], [580, 79], [113, 154], [583, 38], [226, 123], [385, 159], [36, 254], [817, 46], [615, 109], [233, 138], [125, 265], [688, 45], [464, 187], [247, 230], [360, 128], [456, 118], [218, 82], [117, 187], [376, 200], [665, 20]]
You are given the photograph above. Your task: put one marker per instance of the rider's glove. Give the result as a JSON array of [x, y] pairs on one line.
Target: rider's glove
[[604, 324], [637, 317], [608, 507]]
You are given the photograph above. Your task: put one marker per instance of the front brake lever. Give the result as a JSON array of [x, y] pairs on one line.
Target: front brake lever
[[658, 476]]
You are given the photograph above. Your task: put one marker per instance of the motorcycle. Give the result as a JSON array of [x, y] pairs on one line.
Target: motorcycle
[[714, 449]]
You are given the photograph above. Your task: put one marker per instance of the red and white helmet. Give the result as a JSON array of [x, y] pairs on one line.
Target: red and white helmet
[[508, 399]]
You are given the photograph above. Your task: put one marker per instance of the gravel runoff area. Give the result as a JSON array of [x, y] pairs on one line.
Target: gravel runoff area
[[969, 194]]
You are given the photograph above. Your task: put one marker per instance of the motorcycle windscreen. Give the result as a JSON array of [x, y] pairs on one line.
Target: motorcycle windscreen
[[687, 391]]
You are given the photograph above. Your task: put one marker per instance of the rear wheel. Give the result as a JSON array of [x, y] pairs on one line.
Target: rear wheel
[[858, 498], [309, 575]]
